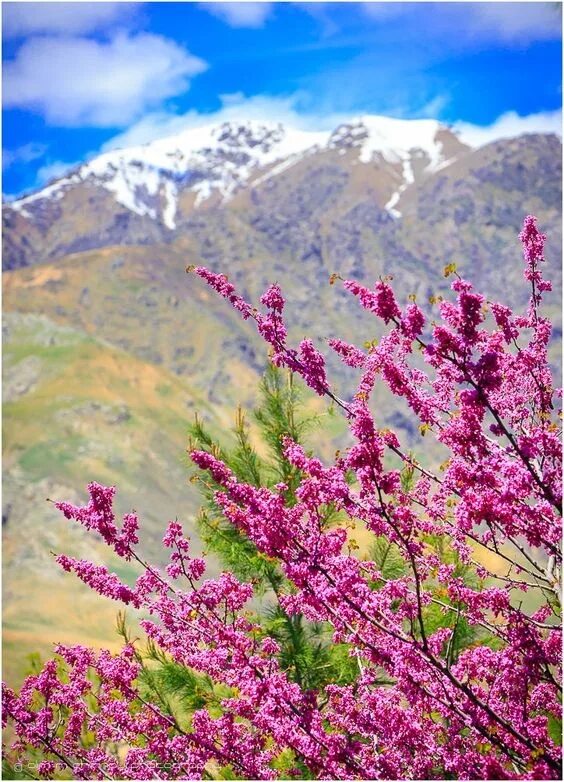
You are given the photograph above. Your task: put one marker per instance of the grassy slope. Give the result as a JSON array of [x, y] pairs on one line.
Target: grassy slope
[[77, 410]]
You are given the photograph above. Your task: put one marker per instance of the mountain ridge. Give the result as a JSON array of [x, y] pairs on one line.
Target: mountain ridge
[[148, 194], [220, 159]]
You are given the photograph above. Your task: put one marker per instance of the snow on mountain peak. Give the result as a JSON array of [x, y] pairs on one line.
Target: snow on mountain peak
[[394, 139], [207, 159], [222, 158]]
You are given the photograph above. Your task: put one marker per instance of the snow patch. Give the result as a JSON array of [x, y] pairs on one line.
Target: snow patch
[[279, 168], [169, 211], [445, 163], [205, 160], [54, 192], [395, 139]]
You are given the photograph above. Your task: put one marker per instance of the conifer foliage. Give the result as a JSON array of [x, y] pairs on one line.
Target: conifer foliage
[[305, 657]]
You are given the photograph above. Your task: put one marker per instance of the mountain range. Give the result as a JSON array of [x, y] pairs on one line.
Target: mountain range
[[166, 180], [109, 347]]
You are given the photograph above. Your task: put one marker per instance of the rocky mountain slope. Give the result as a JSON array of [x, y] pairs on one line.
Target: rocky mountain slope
[[145, 194], [110, 347]]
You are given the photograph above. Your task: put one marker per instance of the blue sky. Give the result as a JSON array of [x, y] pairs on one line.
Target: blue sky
[[79, 78]]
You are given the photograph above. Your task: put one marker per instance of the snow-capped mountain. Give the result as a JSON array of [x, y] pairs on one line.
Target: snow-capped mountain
[[218, 161], [282, 187]]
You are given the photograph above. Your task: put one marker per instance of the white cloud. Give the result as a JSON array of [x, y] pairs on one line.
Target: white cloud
[[240, 14], [460, 25], [20, 19], [23, 154], [235, 107], [510, 125], [433, 107], [76, 81], [515, 22], [384, 11], [54, 170]]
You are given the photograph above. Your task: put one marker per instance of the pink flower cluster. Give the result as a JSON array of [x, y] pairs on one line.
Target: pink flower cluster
[[424, 705], [307, 361]]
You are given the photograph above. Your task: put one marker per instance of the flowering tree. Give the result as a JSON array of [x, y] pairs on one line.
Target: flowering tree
[[454, 676]]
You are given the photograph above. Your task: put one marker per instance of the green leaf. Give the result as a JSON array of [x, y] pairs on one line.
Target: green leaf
[[388, 558]]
